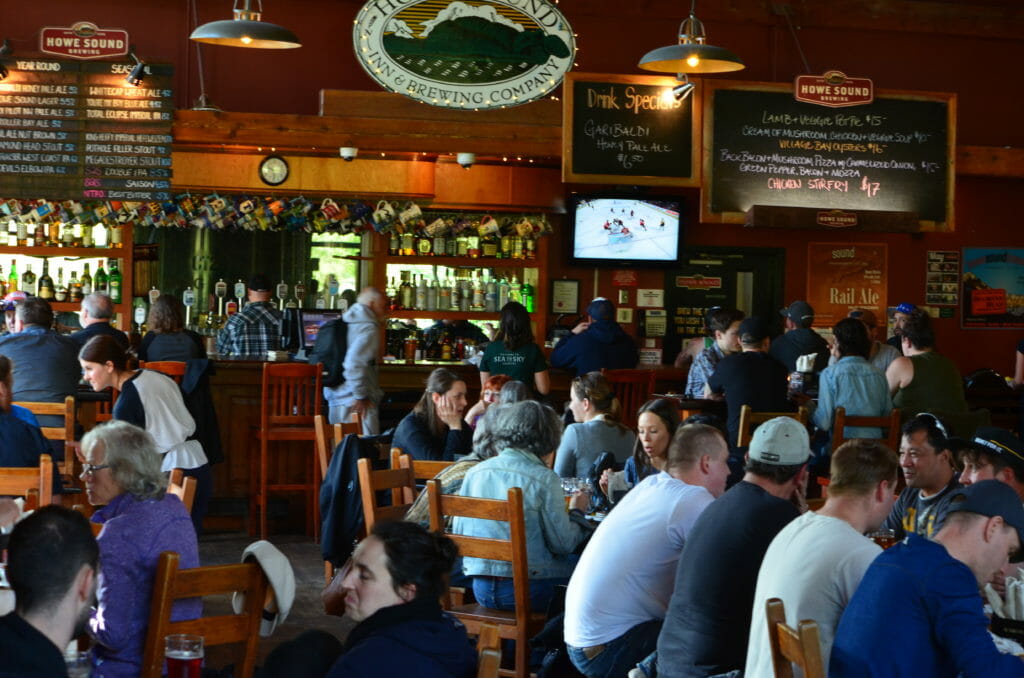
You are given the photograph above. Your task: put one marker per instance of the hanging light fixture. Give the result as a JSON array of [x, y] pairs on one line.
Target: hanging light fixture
[[691, 54], [138, 73], [246, 30], [683, 89]]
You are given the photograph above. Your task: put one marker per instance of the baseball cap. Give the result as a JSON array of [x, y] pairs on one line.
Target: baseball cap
[[865, 316], [799, 312], [282, 580], [905, 308], [999, 442], [13, 299], [782, 441], [601, 309], [753, 330], [992, 498], [259, 282]]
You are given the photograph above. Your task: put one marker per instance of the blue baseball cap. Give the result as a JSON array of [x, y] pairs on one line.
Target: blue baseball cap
[[992, 498], [906, 308], [601, 309]]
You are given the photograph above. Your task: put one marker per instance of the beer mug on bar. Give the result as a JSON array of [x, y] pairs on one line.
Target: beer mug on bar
[[184, 655]]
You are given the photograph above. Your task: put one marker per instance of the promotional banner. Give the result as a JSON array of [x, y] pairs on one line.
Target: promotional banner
[[845, 276], [993, 287]]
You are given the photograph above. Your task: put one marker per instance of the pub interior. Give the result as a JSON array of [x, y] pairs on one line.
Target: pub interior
[[306, 175]]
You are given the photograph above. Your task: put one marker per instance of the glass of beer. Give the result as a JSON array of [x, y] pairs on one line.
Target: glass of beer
[[884, 538], [184, 655]]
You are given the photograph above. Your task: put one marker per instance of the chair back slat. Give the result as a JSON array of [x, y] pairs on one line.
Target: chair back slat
[[749, 419], [172, 368], [370, 482], [66, 432], [171, 584], [184, 488], [633, 388], [488, 646], [800, 646], [21, 482], [889, 423]]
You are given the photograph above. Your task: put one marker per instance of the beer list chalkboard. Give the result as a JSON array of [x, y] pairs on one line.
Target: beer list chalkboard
[[627, 129], [769, 149], [77, 130]]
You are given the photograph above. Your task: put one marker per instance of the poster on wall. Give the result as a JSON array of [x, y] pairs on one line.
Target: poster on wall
[[941, 288], [993, 287], [845, 276]]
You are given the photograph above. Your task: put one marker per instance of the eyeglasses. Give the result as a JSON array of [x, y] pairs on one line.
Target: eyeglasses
[[90, 469], [938, 423]]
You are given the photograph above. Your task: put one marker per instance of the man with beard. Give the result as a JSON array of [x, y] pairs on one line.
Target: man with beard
[[51, 565]]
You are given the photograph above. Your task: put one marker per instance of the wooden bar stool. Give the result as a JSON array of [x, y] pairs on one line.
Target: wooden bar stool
[[290, 399], [172, 368]]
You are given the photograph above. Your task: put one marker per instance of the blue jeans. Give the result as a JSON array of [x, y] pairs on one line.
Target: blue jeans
[[498, 592], [619, 655]]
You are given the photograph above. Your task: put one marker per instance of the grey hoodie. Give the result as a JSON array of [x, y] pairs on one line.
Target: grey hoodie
[[361, 382]]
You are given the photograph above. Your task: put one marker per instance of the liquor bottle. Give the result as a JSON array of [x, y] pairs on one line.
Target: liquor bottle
[[515, 290], [53, 234], [74, 288], [86, 281], [489, 246], [60, 293], [67, 236], [477, 303], [28, 281], [506, 247], [12, 279], [517, 247], [390, 291], [114, 281], [115, 236], [529, 248], [46, 290], [473, 245], [76, 235], [423, 245], [405, 292], [503, 293], [39, 235], [89, 241], [100, 235], [462, 245], [444, 295], [527, 292], [22, 233], [439, 246], [100, 282], [421, 293], [456, 295], [465, 294], [491, 295], [393, 245], [446, 347], [432, 294]]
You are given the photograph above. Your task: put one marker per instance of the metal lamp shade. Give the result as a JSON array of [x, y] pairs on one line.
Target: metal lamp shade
[[673, 59], [243, 33]]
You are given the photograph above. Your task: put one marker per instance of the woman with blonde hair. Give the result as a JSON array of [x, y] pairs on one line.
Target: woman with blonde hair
[[599, 428]]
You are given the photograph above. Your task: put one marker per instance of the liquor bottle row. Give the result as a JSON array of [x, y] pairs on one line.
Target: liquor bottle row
[[458, 290], [466, 244], [23, 233], [80, 281]]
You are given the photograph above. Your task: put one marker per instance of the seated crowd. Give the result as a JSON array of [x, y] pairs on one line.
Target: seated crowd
[[672, 580]]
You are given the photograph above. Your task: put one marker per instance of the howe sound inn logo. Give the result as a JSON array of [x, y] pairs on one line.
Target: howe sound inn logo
[[83, 40], [476, 54]]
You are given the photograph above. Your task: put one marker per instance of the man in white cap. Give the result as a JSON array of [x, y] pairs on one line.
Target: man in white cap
[[708, 620]]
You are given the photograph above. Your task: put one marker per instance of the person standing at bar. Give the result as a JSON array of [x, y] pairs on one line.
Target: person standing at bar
[[255, 329], [360, 392], [95, 314]]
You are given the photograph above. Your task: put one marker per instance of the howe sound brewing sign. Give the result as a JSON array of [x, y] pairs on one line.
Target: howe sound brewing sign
[[83, 40], [470, 55]]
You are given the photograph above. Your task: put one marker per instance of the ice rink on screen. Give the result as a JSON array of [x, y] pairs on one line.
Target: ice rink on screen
[[594, 241]]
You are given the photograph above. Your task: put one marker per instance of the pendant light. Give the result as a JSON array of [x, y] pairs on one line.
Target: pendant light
[[246, 30], [691, 54]]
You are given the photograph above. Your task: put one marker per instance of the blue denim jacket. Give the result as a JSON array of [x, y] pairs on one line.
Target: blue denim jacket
[[550, 535]]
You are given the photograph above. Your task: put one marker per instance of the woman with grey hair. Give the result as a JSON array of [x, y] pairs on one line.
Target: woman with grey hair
[[527, 434], [121, 471]]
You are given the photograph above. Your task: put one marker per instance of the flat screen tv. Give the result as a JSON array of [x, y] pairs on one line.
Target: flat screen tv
[[624, 230]]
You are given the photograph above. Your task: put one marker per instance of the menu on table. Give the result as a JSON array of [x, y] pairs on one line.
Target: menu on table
[[73, 130]]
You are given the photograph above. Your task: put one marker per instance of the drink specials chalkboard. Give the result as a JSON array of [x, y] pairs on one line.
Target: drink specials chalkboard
[[766, 148], [628, 130], [74, 130]]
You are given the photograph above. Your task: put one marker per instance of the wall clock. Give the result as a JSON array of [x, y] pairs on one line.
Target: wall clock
[[273, 170]]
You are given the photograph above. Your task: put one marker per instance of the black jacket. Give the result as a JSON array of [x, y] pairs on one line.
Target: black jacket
[[341, 506], [195, 390]]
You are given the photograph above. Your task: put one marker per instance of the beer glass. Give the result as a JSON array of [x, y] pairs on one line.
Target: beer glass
[[184, 655]]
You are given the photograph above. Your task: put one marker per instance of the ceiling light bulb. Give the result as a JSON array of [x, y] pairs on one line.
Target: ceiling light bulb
[[692, 61], [246, 39]]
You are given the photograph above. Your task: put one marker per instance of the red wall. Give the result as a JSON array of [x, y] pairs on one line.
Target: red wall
[[612, 37]]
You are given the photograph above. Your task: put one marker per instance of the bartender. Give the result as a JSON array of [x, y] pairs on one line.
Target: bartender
[[255, 329]]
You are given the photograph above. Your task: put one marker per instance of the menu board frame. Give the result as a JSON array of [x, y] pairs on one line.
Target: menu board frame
[[711, 87], [569, 170]]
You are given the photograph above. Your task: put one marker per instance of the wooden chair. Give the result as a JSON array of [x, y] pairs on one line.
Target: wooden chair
[[27, 482], [633, 388], [422, 470], [290, 399], [184, 488], [104, 409], [172, 368], [488, 647], [325, 445], [890, 423], [399, 481], [801, 646], [521, 624], [65, 433], [171, 584], [749, 419]]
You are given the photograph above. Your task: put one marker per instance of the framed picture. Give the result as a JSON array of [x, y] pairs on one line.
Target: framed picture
[[565, 296]]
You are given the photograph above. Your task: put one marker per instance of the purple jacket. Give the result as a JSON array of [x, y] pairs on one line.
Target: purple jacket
[[134, 535]]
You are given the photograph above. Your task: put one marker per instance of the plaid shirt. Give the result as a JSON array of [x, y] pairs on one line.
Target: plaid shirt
[[702, 368], [254, 330]]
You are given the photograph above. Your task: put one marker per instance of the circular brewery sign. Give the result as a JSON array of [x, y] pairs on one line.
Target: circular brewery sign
[[465, 54]]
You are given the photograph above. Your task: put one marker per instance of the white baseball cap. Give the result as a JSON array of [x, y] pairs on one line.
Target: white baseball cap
[[782, 441], [282, 580]]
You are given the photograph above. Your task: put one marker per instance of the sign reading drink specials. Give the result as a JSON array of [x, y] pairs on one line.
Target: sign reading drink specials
[[83, 40], [452, 54]]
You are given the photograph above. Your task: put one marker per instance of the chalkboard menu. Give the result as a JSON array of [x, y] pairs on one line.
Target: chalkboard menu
[[628, 130], [766, 148], [73, 130]]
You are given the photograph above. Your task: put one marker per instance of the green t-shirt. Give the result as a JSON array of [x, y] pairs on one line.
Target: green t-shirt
[[520, 364]]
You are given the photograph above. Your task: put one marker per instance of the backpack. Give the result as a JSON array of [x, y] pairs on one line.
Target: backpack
[[329, 349]]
